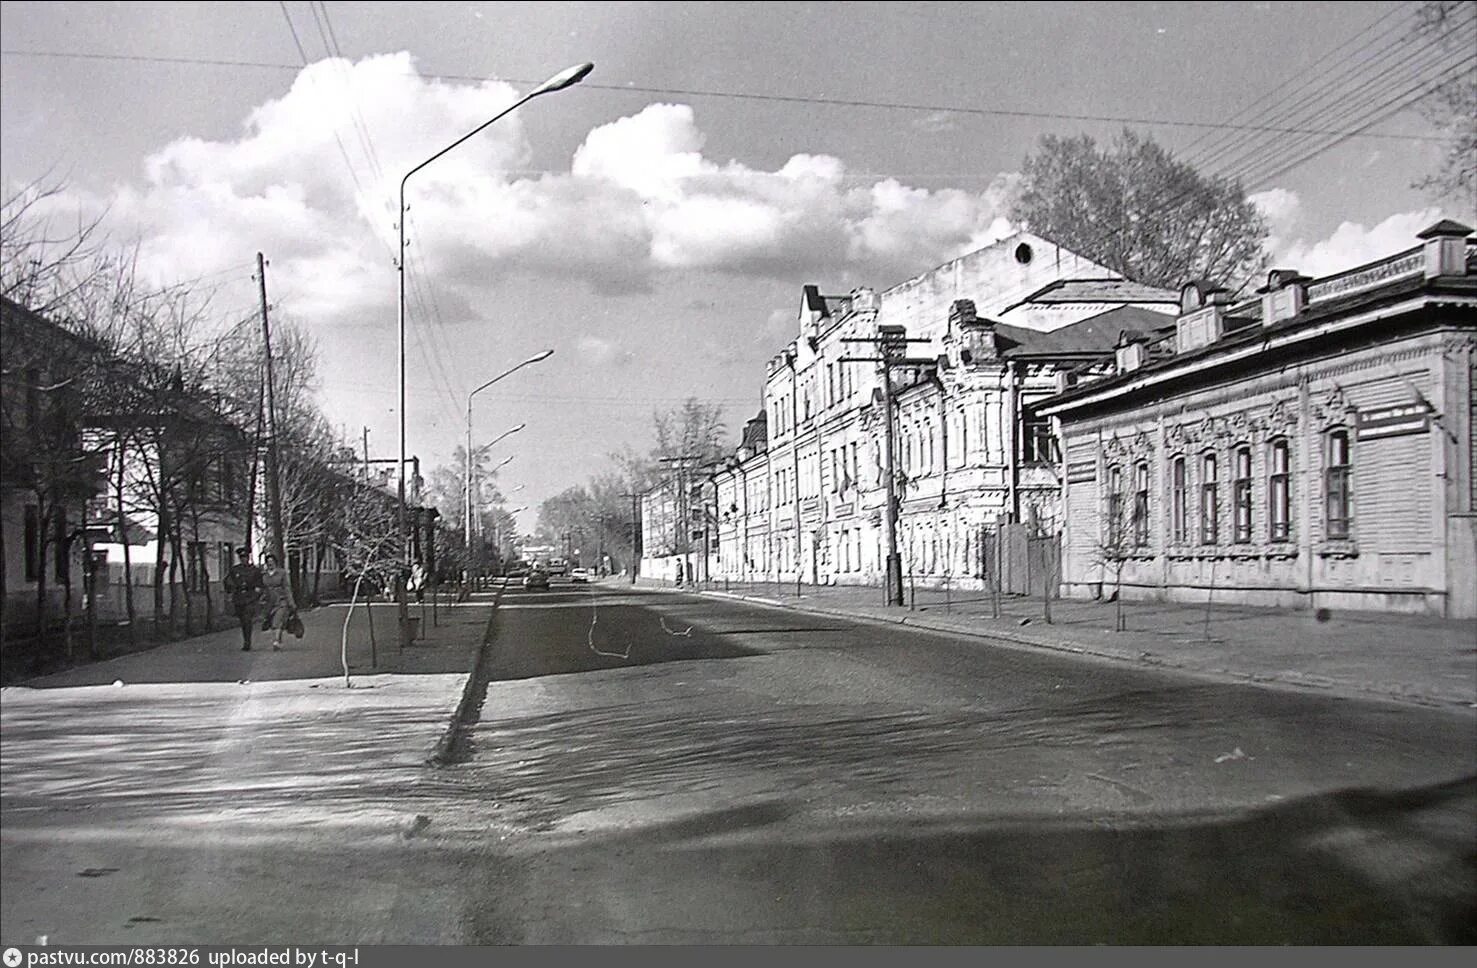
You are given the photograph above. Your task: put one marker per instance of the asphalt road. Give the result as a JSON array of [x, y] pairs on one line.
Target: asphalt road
[[651, 767]]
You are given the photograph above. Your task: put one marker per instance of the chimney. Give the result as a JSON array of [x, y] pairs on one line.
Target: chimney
[[976, 336], [1284, 295], [1446, 248], [1131, 352], [865, 300], [1202, 317], [961, 313]]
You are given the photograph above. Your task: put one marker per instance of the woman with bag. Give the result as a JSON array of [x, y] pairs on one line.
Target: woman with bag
[[281, 607]]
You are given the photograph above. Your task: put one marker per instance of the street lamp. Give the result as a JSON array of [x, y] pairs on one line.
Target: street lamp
[[566, 78], [467, 490]]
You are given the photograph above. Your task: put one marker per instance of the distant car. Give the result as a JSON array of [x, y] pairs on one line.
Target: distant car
[[558, 566], [517, 569], [579, 574], [536, 579]]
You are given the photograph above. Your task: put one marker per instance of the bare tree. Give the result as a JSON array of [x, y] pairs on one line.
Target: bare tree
[[1140, 211], [1114, 550], [1451, 106]]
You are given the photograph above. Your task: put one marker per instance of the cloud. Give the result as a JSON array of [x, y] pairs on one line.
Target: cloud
[[1349, 245], [936, 122], [312, 178], [603, 352]]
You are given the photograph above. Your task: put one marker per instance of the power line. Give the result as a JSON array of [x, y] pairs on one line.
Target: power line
[[750, 96], [1218, 140], [1247, 156]]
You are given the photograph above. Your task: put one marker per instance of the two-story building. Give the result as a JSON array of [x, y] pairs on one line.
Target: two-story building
[[815, 496]]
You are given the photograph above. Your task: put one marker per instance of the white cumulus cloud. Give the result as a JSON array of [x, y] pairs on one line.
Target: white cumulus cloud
[[312, 178], [1349, 245]]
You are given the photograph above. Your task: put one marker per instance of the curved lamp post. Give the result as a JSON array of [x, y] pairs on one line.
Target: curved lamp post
[[565, 78], [467, 489]]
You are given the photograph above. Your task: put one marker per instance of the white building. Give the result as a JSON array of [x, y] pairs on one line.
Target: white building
[[808, 504]]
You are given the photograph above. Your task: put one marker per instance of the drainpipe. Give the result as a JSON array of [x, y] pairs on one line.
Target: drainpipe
[[1012, 454], [795, 465]]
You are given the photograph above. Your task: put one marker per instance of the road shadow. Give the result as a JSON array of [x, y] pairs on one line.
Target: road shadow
[[1362, 866]]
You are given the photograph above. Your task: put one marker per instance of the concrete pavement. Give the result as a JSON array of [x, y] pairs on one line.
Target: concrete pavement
[[1402, 657]]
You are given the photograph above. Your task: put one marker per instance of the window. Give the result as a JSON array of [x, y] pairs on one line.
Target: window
[[1241, 496], [1177, 500], [197, 574], [33, 543], [1141, 504], [1115, 507], [62, 563], [1279, 495], [1210, 504], [1037, 443], [1337, 513]]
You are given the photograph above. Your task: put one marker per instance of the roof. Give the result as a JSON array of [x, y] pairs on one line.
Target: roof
[[1096, 335], [1390, 293], [1096, 290], [824, 305]]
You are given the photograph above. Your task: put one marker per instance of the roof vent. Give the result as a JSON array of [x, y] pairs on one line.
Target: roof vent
[[1284, 295], [1446, 248]]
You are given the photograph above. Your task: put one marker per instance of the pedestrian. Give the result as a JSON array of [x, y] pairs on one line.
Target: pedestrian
[[243, 584], [280, 605]]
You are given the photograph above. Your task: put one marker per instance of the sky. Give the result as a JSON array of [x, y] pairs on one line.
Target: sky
[[655, 224]]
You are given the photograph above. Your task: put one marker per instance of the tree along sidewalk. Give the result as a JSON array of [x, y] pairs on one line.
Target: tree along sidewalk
[[449, 642]]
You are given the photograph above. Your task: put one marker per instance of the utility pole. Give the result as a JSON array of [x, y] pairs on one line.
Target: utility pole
[[256, 449], [635, 532], [683, 463], [892, 342], [790, 358], [274, 484]]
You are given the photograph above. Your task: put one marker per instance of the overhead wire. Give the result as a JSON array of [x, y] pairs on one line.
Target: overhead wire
[[738, 95], [329, 40], [1395, 60], [1216, 140]]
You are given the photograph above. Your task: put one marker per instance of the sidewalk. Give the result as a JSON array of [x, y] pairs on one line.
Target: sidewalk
[[447, 645], [1408, 658]]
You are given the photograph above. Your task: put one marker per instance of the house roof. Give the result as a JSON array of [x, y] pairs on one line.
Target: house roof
[[1231, 345], [1067, 291], [1096, 335]]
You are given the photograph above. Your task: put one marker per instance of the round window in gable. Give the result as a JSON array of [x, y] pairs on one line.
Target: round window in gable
[[1023, 254]]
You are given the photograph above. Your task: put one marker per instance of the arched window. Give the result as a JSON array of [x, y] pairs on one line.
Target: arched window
[[1241, 496], [1210, 501], [1141, 504], [1279, 493], [1338, 514], [1116, 532], [1178, 500]]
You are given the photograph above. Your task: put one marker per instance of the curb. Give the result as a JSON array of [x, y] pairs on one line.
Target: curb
[[441, 754], [1303, 682]]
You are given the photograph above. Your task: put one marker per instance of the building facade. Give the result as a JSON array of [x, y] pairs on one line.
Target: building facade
[[1310, 447], [810, 505]]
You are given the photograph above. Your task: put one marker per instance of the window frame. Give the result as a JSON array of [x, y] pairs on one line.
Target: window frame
[[1179, 505], [1279, 490], [1337, 484], [1241, 501], [1210, 502], [1141, 504]]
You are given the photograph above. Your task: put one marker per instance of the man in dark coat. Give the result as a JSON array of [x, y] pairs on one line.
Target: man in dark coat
[[243, 583]]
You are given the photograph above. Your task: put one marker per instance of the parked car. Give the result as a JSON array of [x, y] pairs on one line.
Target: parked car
[[579, 574], [536, 579]]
